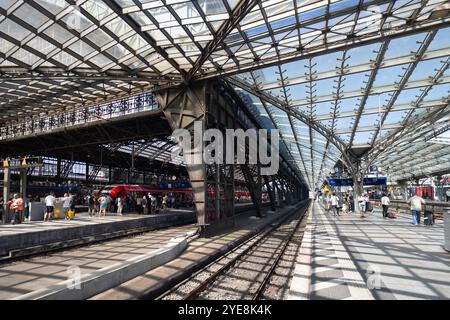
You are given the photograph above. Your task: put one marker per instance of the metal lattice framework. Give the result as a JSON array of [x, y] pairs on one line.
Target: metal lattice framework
[[331, 75]]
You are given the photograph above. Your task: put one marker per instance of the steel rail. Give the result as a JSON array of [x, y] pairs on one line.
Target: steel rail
[[193, 294], [269, 274]]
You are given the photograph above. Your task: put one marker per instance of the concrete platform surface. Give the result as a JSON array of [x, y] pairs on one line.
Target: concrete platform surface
[[31, 235], [348, 257], [81, 219], [22, 277], [199, 251]]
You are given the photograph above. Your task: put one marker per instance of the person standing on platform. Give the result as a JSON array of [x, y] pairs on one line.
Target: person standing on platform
[[103, 204], [90, 203], [96, 205], [345, 204], [385, 202], [416, 203], [351, 204], [66, 205], [139, 204], [334, 201], [144, 205], [165, 201], [152, 204], [27, 201], [119, 206], [362, 201], [50, 201], [17, 207]]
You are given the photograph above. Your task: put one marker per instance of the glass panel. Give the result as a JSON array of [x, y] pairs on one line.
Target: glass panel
[[54, 6], [98, 9], [99, 37], [30, 15], [81, 48], [57, 33], [13, 29]]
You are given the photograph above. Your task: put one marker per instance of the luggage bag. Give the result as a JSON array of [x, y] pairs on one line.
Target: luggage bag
[[429, 218]]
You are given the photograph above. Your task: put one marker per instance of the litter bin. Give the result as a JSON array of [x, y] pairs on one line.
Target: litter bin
[[447, 228]]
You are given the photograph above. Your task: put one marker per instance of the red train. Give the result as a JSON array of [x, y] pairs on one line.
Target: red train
[[425, 192], [124, 189]]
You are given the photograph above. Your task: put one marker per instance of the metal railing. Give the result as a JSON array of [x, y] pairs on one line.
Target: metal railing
[[138, 103], [402, 206]]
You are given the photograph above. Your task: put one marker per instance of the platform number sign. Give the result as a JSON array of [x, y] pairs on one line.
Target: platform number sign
[[21, 163]]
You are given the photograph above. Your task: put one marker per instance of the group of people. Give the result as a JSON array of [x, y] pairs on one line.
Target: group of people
[[345, 204], [340, 204], [17, 208], [68, 206], [97, 205], [145, 204], [149, 203]]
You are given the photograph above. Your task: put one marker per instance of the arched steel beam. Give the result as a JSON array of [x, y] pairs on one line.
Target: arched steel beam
[[237, 14], [324, 131]]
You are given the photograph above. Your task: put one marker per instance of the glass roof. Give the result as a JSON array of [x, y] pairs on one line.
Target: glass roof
[[330, 75]]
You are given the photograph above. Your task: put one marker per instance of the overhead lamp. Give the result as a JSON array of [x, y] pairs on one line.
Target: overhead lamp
[[441, 11]]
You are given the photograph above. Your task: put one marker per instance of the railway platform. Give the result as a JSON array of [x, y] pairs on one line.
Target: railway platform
[[347, 257], [34, 237], [198, 254], [24, 279]]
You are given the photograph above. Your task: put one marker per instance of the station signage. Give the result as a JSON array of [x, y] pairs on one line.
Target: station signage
[[164, 185], [27, 162], [348, 182]]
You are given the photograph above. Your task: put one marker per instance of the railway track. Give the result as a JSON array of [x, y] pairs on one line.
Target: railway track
[[49, 248], [246, 271]]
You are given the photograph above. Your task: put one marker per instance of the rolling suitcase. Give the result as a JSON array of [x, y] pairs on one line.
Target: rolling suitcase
[[429, 218], [71, 214], [392, 215]]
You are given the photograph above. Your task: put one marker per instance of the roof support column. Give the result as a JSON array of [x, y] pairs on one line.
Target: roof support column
[[253, 179], [284, 198], [358, 179], [278, 193], [195, 108], [271, 193], [6, 193]]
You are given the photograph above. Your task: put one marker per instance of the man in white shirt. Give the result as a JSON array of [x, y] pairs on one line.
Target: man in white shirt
[[67, 202], [335, 204], [50, 201], [416, 203], [385, 202]]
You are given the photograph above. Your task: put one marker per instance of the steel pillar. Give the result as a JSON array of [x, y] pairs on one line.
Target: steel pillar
[[280, 193], [358, 180], [201, 106], [271, 192], [58, 169], [23, 183], [6, 193], [253, 185]]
